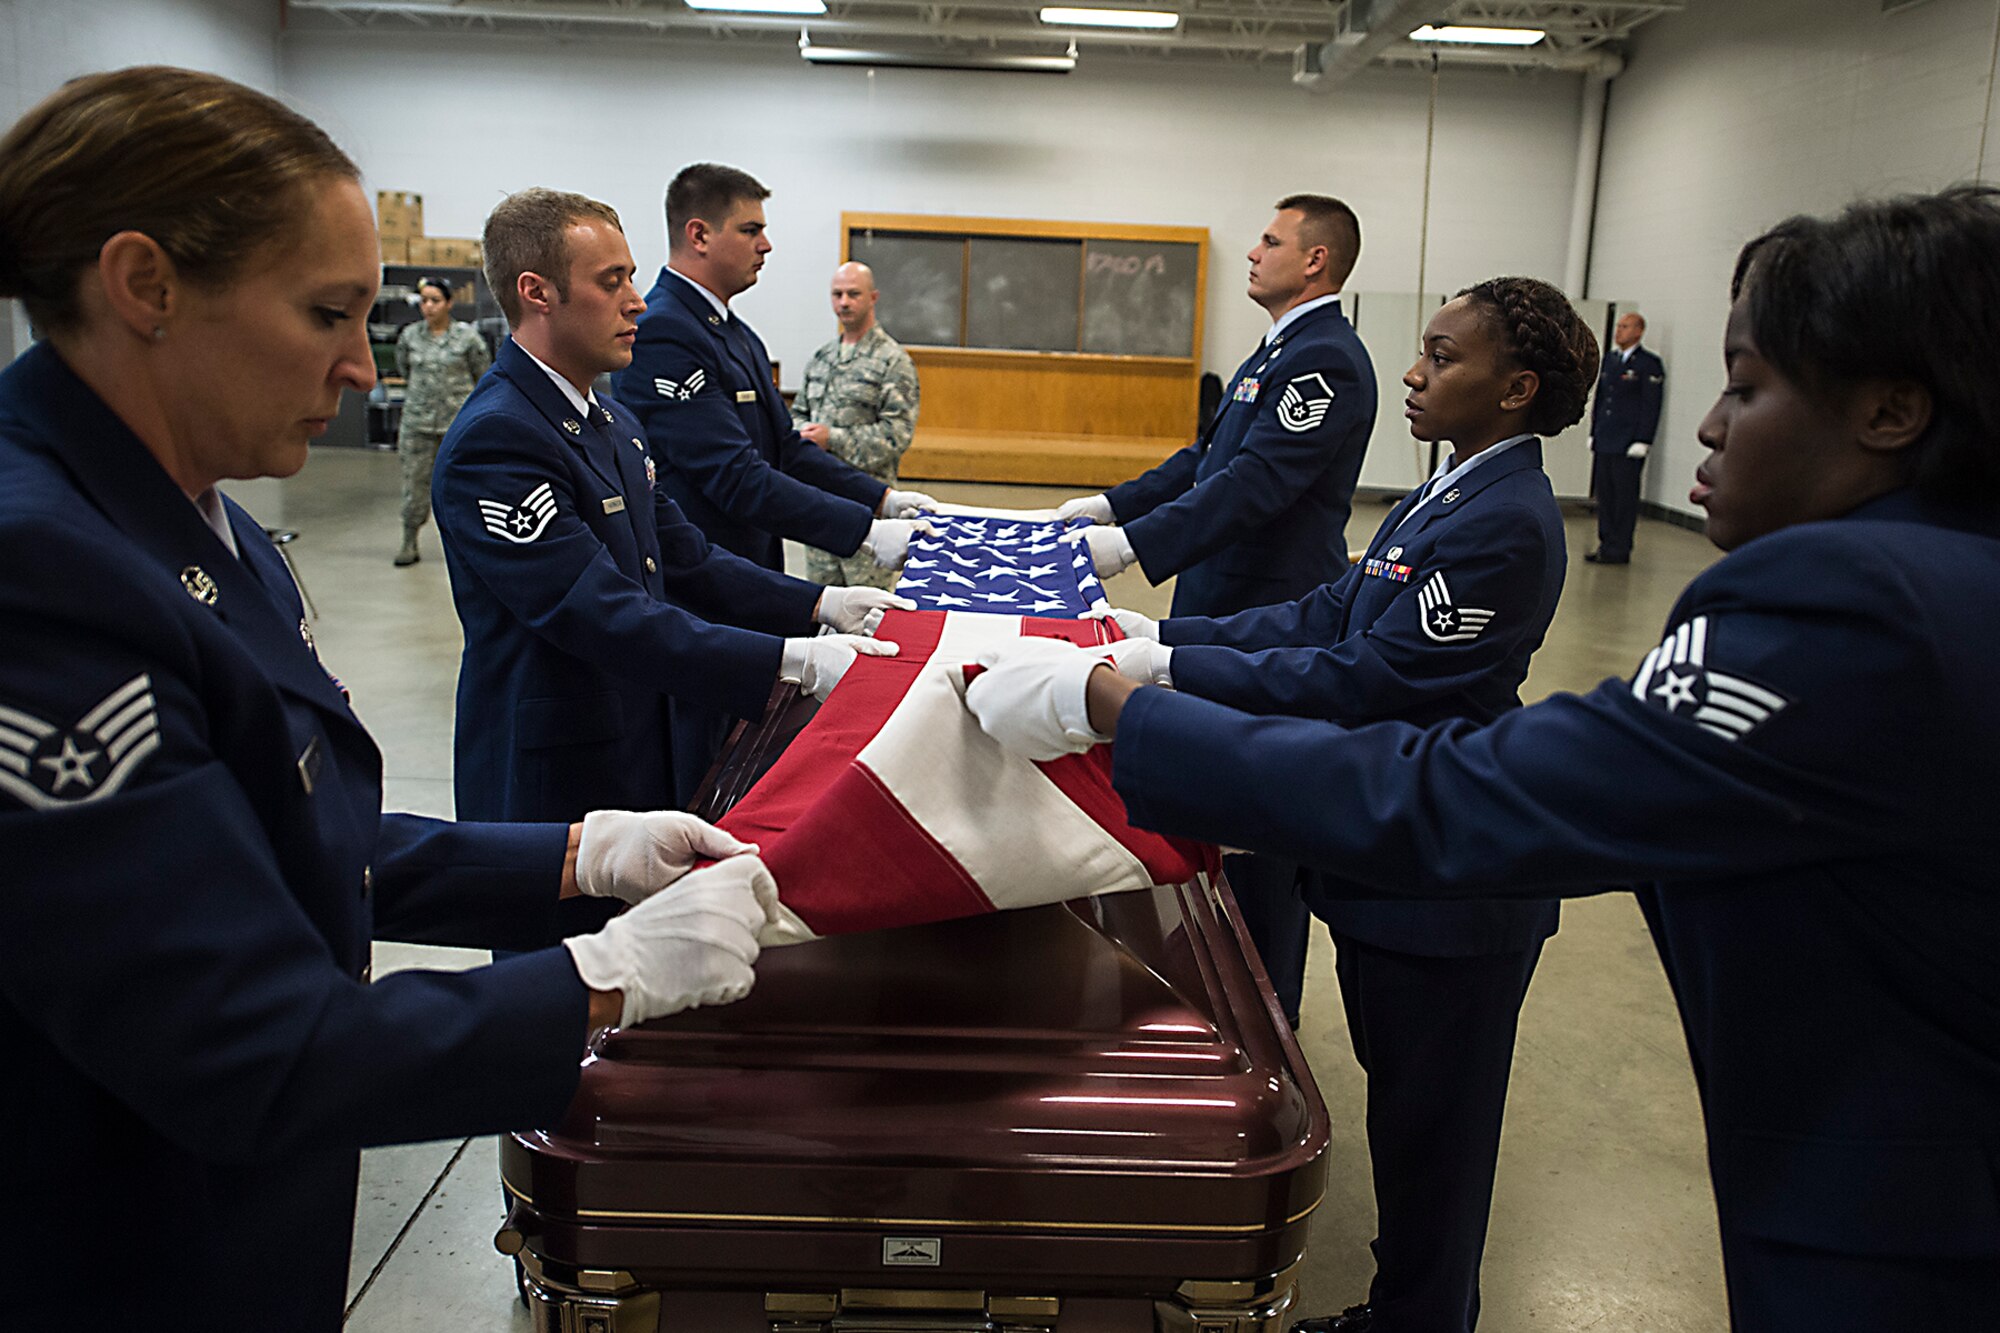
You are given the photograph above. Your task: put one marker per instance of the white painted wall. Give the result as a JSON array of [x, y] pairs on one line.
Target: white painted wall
[[462, 119], [44, 43], [1733, 116]]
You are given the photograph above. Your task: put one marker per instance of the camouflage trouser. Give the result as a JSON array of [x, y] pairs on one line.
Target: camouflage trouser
[[419, 450], [847, 571]]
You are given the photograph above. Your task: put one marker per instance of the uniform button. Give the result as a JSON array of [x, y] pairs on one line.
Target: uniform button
[[367, 881], [651, 567]]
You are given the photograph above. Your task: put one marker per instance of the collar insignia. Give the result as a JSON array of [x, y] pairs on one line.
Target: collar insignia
[[199, 585]]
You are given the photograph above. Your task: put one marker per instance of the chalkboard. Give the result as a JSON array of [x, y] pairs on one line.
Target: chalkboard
[[1034, 286], [922, 281], [1023, 294], [1139, 296]]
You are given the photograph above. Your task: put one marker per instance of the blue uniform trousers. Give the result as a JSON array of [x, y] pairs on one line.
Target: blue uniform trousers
[[1614, 480], [1436, 1038]]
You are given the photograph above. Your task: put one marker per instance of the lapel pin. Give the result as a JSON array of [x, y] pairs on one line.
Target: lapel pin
[[1451, 495], [571, 426], [199, 585]]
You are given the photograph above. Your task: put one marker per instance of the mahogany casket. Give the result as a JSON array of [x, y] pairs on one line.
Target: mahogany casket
[[1086, 1118]]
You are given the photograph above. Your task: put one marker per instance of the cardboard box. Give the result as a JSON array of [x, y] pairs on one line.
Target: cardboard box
[[445, 251], [399, 213], [395, 249]]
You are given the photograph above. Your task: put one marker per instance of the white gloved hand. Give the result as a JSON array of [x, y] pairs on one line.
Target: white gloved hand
[[906, 504], [1030, 698], [888, 539], [691, 945], [1110, 550], [857, 610], [816, 665], [1638, 449], [632, 855], [1095, 507], [1134, 625], [1144, 661]]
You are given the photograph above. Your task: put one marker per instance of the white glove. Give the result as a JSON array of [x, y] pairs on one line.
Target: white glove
[[1134, 625], [1110, 550], [1096, 507], [1144, 661], [1637, 449], [690, 946], [632, 855], [816, 665], [1030, 698], [888, 539], [906, 504], [857, 610]]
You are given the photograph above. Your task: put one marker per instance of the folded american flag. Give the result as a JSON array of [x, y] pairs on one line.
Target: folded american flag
[[1005, 563], [893, 808]]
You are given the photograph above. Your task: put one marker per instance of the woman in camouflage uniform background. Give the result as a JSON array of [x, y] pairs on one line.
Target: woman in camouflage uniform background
[[440, 360]]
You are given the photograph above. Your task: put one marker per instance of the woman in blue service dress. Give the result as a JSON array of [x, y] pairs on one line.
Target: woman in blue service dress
[[1437, 621], [1816, 742], [190, 812]]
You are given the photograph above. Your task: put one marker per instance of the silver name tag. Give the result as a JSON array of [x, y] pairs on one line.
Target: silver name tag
[[746, 395], [615, 505]]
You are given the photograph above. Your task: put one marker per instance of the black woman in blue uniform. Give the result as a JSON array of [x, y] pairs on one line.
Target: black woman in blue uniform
[[1818, 740], [190, 813], [1438, 621], [1255, 511]]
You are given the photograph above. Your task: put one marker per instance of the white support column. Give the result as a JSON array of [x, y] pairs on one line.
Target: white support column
[[1583, 199]]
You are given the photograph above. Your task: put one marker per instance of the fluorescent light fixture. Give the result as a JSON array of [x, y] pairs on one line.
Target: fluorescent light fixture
[[845, 55], [759, 6], [1478, 36], [1110, 18]]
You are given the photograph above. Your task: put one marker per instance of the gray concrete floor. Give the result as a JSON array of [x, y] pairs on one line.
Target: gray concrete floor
[[1601, 1214]]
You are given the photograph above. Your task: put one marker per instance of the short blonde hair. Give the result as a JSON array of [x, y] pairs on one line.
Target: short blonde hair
[[525, 234]]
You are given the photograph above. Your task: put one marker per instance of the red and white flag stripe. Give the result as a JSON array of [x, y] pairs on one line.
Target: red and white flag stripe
[[893, 808]]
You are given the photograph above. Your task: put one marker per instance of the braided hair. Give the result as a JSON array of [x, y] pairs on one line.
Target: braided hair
[[1543, 333]]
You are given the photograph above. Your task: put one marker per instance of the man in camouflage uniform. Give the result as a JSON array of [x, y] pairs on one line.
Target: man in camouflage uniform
[[859, 403]]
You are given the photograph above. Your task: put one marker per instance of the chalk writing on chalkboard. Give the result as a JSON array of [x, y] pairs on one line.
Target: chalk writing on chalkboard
[[1139, 297]]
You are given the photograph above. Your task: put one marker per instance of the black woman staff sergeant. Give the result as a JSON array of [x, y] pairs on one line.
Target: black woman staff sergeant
[[190, 813], [1438, 621], [1819, 741]]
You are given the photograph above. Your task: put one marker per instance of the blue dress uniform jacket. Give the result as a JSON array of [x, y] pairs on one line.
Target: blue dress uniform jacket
[[1255, 511], [191, 821], [583, 592], [1627, 407], [1438, 622], [729, 454], [1818, 739]]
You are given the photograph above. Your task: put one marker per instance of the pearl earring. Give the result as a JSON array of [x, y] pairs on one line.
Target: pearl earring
[[159, 334]]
